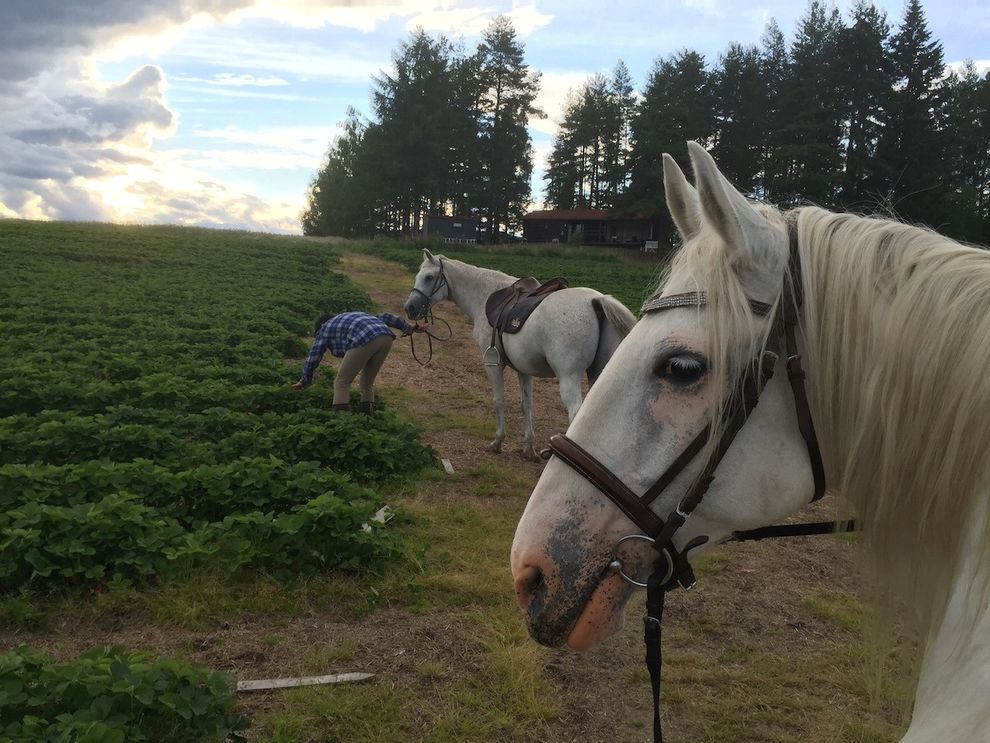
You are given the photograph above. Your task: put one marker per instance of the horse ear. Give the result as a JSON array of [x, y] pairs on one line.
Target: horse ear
[[727, 210], [428, 256], [682, 199]]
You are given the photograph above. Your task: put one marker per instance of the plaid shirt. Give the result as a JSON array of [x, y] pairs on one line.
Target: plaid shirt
[[346, 331]]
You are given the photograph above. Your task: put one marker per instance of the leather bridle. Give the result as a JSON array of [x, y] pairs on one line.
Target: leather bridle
[[672, 568], [439, 282]]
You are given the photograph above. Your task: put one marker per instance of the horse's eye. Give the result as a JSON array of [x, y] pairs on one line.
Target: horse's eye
[[681, 369]]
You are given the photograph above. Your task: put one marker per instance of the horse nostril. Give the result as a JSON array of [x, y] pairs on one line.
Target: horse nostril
[[528, 583]]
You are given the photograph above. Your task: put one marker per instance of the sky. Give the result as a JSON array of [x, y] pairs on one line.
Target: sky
[[218, 113]]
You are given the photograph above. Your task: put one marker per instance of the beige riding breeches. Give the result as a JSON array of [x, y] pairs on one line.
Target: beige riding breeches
[[367, 360]]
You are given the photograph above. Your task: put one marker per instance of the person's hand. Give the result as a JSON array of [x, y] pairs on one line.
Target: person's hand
[[300, 385]]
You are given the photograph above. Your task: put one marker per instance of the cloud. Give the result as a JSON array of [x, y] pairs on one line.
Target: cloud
[[231, 149], [207, 203], [37, 34], [302, 60], [74, 147], [472, 21], [555, 87], [304, 139], [707, 7], [982, 66], [83, 134], [227, 78]]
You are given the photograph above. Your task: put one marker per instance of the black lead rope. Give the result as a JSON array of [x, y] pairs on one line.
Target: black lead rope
[[656, 593], [652, 631]]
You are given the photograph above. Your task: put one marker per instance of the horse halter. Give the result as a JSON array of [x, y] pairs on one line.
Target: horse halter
[[672, 568], [439, 282]]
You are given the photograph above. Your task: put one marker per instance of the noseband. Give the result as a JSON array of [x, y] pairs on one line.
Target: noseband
[[438, 283], [672, 568]]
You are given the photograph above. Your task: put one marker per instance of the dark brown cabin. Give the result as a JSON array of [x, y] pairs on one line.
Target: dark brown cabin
[[589, 226]]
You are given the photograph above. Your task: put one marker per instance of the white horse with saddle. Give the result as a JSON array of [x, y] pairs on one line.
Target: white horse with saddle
[[572, 332], [703, 426]]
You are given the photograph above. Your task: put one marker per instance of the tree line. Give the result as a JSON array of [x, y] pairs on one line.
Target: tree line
[[852, 114], [450, 137]]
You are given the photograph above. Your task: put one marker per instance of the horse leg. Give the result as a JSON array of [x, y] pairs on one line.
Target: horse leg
[[526, 388], [498, 396], [570, 393]]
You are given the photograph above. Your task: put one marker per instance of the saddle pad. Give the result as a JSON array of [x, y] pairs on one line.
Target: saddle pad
[[508, 308]]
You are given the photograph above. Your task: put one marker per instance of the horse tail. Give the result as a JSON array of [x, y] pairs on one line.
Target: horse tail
[[614, 323]]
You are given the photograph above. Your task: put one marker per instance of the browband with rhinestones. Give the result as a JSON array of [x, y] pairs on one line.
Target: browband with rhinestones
[[693, 299]]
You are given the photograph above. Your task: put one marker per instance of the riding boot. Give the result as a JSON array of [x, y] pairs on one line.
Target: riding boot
[[366, 407], [346, 406]]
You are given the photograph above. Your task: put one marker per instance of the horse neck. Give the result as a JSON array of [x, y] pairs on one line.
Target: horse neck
[[469, 286], [898, 390], [953, 696]]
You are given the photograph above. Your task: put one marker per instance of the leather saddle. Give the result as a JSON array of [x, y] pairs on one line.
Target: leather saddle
[[507, 309]]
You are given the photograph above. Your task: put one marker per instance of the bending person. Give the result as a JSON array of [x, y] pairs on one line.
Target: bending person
[[363, 342]]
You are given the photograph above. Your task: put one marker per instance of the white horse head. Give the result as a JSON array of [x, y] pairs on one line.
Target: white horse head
[[429, 288], [895, 330], [664, 385]]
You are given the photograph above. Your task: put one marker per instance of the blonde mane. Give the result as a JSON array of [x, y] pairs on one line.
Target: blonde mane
[[896, 325]]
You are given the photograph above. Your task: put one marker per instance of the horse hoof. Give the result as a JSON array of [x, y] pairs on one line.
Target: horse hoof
[[530, 454], [495, 447]]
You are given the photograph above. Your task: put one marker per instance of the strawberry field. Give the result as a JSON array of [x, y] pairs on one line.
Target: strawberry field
[[148, 429]]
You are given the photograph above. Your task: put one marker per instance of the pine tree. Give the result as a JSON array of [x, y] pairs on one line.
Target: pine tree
[[413, 105], [565, 174], [466, 197], [589, 163], [911, 146], [774, 63], [967, 155], [622, 107], [339, 196], [811, 106], [677, 105], [740, 116], [509, 90], [867, 83]]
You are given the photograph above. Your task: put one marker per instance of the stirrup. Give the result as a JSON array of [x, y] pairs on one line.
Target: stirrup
[[492, 357]]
